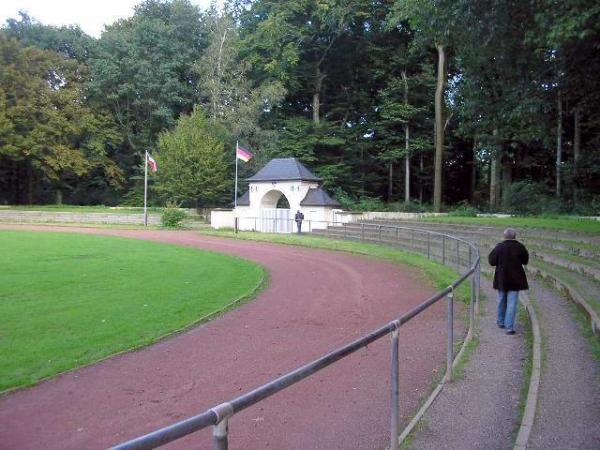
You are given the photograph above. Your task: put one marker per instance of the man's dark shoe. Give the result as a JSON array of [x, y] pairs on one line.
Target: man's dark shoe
[[500, 325], [510, 332]]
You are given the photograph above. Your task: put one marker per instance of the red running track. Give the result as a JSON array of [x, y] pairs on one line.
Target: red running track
[[316, 301]]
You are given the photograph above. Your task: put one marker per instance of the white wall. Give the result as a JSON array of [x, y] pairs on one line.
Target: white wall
[[398, 215], [266, 194], [222, 218]]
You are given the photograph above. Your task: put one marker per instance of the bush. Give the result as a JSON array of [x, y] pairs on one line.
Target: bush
[[371, 204], [528, 199], [464, 209], [362, 204], [172, 216], [410, 207]]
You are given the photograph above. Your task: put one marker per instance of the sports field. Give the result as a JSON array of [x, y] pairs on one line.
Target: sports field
[[67, 300]]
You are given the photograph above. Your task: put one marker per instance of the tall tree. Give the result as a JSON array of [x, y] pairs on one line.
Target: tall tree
[[49, 134], [143, 72], [234, 104], [193, 168], [433, 20]]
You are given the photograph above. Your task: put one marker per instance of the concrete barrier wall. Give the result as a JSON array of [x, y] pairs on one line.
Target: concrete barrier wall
[[222, 218], [398, 215], [68, 217]]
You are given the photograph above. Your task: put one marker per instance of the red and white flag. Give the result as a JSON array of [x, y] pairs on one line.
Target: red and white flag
[[151, 162]]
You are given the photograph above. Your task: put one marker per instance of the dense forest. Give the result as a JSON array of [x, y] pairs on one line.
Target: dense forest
[[403, 105]]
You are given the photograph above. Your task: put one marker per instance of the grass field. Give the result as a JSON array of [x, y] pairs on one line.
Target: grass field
[[67, 300], [561, 223]]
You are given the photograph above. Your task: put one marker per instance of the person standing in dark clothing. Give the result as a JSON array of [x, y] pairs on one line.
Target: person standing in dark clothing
[[299, 218], [509, 257]]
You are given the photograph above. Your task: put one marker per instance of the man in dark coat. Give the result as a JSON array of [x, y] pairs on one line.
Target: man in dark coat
[[509, 257], [299, 218]]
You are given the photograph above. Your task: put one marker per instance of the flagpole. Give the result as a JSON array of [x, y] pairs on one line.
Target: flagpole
[[237, 143], [146, 189]]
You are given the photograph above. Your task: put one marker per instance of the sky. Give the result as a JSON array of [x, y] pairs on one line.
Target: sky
[[90, 15]]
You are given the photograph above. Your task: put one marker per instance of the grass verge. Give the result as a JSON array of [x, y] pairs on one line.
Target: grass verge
[[587, 291], [68, 300], [560, 223], [586, 331], [523, 317]]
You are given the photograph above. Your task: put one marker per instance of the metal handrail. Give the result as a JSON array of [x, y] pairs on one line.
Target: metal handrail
[[219, 415]]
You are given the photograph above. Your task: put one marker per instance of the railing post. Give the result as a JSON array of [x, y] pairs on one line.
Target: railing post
[[362, 232], [221, 429], [428, 245], [395, 385], [255, 224], [478, 292], [444, 250], [236, 224], [379, 233], [345, 231], [397, 236], [450, 349], [472, 303], [458, 256]]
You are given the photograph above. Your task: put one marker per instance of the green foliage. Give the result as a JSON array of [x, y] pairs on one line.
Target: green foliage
[[65, 140], [192, 164], [411, 207], [69, 41], [233, 103], [528, 198], [334, 83], [464, 209], [172, 215], [89, 297]]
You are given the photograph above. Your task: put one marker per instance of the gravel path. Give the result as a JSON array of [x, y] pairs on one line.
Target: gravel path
[[316, 301], [568, 414], [479, 412]]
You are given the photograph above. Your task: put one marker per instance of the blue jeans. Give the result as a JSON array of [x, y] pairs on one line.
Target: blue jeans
[[507, 308]]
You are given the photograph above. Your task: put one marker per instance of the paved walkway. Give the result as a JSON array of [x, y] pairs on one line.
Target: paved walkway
[[479, 412], [568, 413], [316, 301]]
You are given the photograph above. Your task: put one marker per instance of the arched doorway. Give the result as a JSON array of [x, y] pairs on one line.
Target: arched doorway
[[275, 215]]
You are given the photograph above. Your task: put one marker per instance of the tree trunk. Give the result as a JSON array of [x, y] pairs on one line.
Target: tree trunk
[[407, 167], [559, 144], [576, 139], [494, 175], [576, 151], [439, 129], [421, 170], [390, 182], [29, 183], [59, 196], [406, 145], [506, 181], [493, 182], [317, 95], [473, 171]]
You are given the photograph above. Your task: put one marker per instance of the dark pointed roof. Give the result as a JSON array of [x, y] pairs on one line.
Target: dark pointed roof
[[284, 169], [244, 199], [318, 197]]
